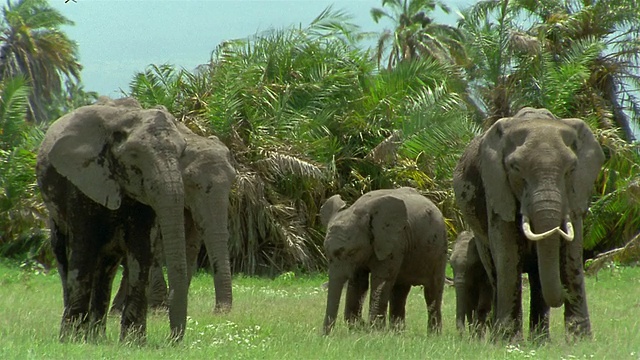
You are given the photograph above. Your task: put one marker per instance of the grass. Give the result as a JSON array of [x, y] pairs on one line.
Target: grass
[[282, 319]]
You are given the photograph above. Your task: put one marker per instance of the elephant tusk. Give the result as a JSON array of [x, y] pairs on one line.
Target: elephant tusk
[[526, 228], [569, 234]]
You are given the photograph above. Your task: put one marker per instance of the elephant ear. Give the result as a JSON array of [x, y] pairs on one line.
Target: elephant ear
[[590, 160], [79, 154], [331, 207], [498, 193], [388, 219]]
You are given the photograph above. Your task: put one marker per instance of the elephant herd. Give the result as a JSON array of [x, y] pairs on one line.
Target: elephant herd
[[133, 186]]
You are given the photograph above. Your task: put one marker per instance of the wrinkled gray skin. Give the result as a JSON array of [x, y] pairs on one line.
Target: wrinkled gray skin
[[544, 168], [395, 237], [203, 158], [474, 293], [157, 291], [108, 172]]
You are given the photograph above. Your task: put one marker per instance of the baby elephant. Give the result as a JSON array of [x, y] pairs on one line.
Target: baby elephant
[[473, 289], [396, 237]]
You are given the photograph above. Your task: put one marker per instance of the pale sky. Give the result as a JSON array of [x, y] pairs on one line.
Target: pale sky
[[117, 38]]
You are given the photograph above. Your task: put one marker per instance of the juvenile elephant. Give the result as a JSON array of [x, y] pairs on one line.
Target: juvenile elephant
[[108, 172], [398, 238], [524, 186], [474, 293]]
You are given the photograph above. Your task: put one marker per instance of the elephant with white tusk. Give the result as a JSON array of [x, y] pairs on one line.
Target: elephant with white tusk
[[523, 187]]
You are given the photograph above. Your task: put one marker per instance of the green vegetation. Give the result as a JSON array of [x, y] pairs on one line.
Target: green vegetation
[[32, 45], [282, 319], [310, 111]]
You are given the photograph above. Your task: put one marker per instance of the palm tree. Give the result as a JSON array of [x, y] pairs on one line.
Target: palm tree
[[307, 115], [22, 213], [32, 44], [615, 76], [513, 45], [415, 33], [578, 60]]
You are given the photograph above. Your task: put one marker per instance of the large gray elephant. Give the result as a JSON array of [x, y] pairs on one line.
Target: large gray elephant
[[474, 292], [108, 172], [398, 238], [523, 187]]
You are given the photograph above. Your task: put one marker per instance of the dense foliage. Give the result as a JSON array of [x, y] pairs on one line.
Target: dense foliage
[[311, 111]]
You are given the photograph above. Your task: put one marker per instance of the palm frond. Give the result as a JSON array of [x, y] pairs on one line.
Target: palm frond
[[286, 165], [14, 102]]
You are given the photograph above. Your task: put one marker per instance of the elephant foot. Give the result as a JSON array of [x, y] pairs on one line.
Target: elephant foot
[[115, 311], [434, 325], [133, 335], [398, 325], [578, 329], [378, 322], [507, 333], [477, 330], [222, 308], [355, 323], [160, 308], [74, 329], [97, 333]]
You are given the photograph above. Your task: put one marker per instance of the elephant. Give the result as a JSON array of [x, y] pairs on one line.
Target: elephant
[[157, 294], [109, 172], [474, 293], [523, 187], [397, 237]]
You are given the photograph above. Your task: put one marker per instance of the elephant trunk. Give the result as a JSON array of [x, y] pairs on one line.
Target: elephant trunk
[[462, 301], [170, 217], [336, 283], [547, 216]]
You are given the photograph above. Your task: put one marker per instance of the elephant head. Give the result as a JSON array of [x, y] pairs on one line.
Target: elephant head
[[372, 228], [539, 170], [113, 150], [208, 176]]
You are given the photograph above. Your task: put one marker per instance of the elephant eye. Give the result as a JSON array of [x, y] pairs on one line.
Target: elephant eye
[[119, 136], [514, 167]]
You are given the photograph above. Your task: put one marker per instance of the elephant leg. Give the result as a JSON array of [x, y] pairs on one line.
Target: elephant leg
[[138, 262], [539, 310], [469, 306], [506, 257], [397, 304], [101, 294], [485, 299], [158, 291], [83, 253], [194, 244], [59, 243], [576, 312], [433, 290], [379, 299], [157, 288], [134, 313], [357, 288]]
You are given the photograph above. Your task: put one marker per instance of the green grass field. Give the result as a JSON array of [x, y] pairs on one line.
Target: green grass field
[[282, 319]]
